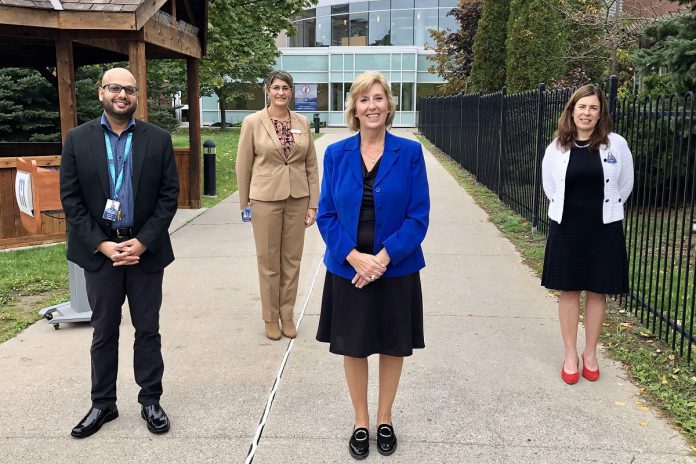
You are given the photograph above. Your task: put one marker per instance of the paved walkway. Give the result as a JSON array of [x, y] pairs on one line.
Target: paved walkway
[[485, 390]]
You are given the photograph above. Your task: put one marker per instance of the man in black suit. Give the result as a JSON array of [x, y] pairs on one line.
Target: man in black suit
[[119, 189]]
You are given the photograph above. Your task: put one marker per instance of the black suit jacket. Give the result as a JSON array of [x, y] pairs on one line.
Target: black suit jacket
[[84, 189]]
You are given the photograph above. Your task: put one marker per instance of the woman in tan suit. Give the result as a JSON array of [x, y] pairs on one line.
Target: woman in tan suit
[[278, 177]]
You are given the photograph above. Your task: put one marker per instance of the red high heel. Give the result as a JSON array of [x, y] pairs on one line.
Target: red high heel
[[568, 378], [588, 374]]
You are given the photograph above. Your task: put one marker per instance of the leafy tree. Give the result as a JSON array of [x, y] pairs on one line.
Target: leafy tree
[[535, 44], [670, 47], [488, 68], [454, 50], [242, 44]]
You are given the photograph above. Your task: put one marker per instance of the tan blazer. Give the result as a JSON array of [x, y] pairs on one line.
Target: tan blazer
[[262, 172]]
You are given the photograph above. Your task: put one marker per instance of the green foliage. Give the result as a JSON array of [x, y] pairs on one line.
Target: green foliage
[[454, 50], [242, 42], [28, 107], [87, 81], [164, 79], [488, 68], [671, 46], [535, 44]]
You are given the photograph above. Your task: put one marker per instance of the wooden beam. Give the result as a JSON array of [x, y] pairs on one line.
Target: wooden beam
[[189, 13], [28, 17], [146, 10], [171, 38], [96, 20], [18, 32], [137, 65], [194, 114], [173, 12], [114, 45], [48, 75], [66, 85]]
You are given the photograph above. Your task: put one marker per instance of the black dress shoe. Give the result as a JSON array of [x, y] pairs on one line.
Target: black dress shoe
[[156, 418], [92, 422], [386, 440], [359, 444]]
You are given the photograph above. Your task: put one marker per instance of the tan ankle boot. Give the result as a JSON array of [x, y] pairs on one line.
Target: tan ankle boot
[[273, 330], [289, 329]]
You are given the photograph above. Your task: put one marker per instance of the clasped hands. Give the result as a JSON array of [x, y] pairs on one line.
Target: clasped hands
[[368, 267], [123, 254]]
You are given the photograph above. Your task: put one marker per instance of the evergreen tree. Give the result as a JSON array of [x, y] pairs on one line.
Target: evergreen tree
[[454, 50], [28, 107], [488, 69], [535, 44]]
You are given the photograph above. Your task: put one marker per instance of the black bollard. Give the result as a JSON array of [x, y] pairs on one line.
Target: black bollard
[[209, 177], [317, 123]]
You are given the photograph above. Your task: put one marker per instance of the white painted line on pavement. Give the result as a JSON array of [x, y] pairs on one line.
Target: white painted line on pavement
[[276, 383]]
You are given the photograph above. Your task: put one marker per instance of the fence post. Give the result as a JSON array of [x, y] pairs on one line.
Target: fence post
[[478, 134], [613, 89], [501, 144], [536, 188]]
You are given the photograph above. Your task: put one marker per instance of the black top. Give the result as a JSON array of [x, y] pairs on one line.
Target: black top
[[584, 190], [367, 207]]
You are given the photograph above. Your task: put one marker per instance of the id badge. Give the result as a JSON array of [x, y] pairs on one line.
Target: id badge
[[246, 214], [111, 210]]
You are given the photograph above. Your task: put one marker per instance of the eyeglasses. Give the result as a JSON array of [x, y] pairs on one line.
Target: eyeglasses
[[115, 88], [277, 88]]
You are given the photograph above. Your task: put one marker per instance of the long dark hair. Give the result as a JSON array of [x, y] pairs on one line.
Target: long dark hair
[[567, 132]]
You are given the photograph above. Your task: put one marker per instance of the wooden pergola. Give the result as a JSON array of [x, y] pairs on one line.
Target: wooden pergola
[[63, 34]]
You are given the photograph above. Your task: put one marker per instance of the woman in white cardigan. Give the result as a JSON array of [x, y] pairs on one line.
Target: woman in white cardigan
[[587, 175]]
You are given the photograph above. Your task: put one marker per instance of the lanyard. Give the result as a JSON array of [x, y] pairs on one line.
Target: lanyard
[[117, 183]]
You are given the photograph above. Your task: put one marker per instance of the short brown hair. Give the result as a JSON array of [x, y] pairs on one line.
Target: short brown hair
[[278, 74], [567, 132], [360, 86]]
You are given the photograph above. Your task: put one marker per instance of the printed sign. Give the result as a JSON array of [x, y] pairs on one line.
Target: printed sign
[[23, 193], [305, 97]]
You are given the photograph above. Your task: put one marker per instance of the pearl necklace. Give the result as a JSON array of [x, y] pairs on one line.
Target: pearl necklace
[[581, 146]]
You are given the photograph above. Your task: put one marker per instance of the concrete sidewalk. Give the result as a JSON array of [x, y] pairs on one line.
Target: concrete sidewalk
[[486, 389]]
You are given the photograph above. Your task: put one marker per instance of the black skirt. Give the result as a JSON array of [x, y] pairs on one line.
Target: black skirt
[[385, 316], [583, 253]]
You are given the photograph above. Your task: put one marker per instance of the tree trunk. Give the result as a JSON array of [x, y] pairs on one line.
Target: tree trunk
[[221, 100]]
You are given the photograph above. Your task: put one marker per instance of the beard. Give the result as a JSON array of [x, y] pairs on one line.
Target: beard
[[125, 113]]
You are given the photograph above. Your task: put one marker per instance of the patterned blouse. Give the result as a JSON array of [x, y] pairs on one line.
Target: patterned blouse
[[287, 141]]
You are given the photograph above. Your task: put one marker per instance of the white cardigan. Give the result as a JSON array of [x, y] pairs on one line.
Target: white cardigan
[[617, 163]]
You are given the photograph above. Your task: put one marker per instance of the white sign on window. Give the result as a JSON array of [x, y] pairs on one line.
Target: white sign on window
[[25, 199]]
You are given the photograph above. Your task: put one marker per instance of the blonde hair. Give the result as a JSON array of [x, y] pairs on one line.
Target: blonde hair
[[360, 86]]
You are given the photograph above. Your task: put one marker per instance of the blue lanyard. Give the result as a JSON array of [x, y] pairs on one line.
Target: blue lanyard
[[117, 183]]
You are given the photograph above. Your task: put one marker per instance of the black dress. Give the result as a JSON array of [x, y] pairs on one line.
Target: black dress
[[583, 253], [385, 316]]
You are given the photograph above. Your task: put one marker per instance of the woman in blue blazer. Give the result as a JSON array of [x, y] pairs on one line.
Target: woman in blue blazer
[[373, 216]]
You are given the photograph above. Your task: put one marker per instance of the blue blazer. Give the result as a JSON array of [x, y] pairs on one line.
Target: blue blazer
[[402, 204]]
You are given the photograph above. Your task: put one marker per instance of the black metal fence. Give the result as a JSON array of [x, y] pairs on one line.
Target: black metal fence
[[501, 139]]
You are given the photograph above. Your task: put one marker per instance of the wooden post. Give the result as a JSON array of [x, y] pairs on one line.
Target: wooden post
[[137, 65], [194, 117], [65, 69]]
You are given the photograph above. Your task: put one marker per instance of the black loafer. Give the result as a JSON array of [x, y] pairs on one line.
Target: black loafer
[[92, 422], [156, 418], [386, 440], [359, 444]]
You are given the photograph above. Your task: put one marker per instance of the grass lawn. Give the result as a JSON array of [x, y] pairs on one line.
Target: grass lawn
[[30, 280], [666, 382]]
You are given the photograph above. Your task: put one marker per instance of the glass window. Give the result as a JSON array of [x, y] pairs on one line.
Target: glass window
[[322, 97], [449, 3], [358, 29], [297, 39], [294, 63], [402, 27], [407, 96], [371, 62], [348, 62], [448, 21], [358, 7], [399, 4], [396, 62], [396, 91], [409, 62], [339, 29], [336, 96], [256, 102], [379, 27], [310, 32], [426, 3], [426, 19], [322, 32], [379, 5], [336, 62], [425, 90]]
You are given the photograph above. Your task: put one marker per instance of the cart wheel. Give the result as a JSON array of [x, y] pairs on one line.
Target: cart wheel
[[56, 326], [48, 316]]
